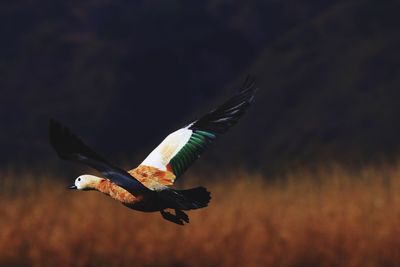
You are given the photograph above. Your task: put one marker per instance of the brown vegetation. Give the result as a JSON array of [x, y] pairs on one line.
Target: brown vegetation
[[329, 217]]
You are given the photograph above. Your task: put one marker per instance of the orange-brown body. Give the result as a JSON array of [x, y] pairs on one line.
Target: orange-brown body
[[147, 202], [116, 192]]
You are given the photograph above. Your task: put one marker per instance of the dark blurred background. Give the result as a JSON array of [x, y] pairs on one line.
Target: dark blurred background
[[124, 74]]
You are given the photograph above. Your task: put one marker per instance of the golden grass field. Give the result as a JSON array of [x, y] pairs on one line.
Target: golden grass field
[[328, 217]]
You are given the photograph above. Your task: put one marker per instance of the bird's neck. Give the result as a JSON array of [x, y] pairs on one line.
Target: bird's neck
[[116, 192]]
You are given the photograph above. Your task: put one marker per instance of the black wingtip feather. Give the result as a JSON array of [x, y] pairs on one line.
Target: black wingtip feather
[[63, 142], [66, 144], [69, 147], [225, 116], [249, 83], [57, 138]]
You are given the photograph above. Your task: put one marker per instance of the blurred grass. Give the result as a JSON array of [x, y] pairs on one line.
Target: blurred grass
[[331, 216]]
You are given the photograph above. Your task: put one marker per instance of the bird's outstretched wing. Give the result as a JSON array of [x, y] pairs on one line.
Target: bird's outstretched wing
[[182, 147], [70, 147]]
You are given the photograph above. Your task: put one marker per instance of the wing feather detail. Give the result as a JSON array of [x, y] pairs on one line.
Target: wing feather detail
[[69, 147], [180, 149]]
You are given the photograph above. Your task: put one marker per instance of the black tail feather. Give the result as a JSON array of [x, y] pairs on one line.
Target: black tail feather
[[198, 197], [189, 199]]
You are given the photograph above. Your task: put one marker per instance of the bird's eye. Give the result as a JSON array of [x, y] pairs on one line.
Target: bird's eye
[[79, 179]]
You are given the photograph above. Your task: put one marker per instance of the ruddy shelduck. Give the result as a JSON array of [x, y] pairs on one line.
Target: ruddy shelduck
[[147, 187]]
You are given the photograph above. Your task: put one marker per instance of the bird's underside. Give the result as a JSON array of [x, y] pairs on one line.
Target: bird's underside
[[147, 187], [152, 201]]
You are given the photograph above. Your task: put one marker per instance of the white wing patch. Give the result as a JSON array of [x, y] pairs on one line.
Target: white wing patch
[[169, 147]]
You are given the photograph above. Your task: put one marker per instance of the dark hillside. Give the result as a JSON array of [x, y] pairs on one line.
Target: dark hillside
[[123, 74], [329, 89]]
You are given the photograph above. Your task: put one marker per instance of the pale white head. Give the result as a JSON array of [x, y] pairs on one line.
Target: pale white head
[[86, 182]]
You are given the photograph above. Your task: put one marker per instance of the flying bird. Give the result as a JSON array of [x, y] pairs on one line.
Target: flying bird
[[147, 188]]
